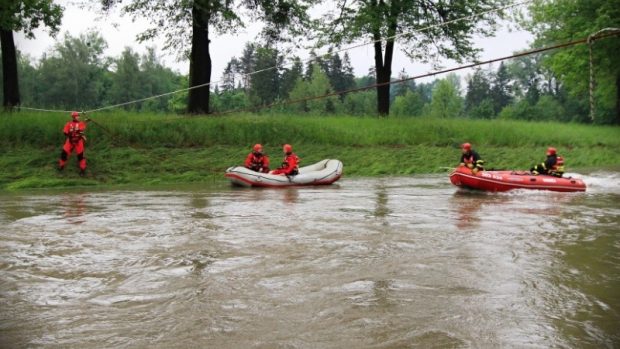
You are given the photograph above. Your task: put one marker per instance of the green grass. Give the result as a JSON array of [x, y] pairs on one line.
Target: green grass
[[162, 149]]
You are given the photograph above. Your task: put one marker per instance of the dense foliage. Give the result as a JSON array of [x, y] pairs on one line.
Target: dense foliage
[[562, 20], [424, 30], [173, 19], [24, 16], [76, 75]]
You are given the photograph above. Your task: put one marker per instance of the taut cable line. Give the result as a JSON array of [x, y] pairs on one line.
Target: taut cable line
[[358, 89]]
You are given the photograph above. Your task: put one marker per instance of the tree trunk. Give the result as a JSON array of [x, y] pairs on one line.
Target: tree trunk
[[383, 65], [383, 68], [9, 70], [200, 61]]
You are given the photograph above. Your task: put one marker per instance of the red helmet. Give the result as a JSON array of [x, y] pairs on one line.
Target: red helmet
[[258, 148], [551, 151], [466, 146], [75, 114], [287, 148]]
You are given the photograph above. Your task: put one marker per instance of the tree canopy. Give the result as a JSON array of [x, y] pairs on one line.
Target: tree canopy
[[172, 18], [563, 20], [426, 30], [24, 16]]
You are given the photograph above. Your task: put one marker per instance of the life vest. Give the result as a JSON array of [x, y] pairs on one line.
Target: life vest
[[74, 131], [559, 165], [468, 159], [291, 159], [257, 162]]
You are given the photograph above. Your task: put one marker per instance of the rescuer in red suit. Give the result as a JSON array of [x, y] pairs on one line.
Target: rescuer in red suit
[[257, 161], [74, 134], [290, 164]]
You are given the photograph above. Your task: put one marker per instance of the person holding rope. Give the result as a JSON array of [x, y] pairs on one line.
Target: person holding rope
[[74, 140]]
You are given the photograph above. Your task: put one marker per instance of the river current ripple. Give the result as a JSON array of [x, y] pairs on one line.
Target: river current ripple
[[367, 263]]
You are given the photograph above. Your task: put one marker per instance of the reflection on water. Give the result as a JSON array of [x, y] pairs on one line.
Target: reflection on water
[[381, 207], [74, 207], [467, 205], [291, 195], [369, 263]]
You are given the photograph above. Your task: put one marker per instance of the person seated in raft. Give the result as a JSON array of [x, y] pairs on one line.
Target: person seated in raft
[[553, 165], [290, 163], [471, 158], [256, 160]]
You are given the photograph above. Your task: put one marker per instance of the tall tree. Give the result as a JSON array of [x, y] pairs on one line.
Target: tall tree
[[478, 89], [127, 80], [340, 73], [382, 20], [408, 104], [348, 77], [317, 85], [402, 87], [478, 100], [265, 85], [315, 61], [157, 79], [525, 73], [230, 75], [447, 102], [290, 77], [28, 80], [74, 74], [247, 63], [562, 20], [25, 16], [171, 18], [501, 90]]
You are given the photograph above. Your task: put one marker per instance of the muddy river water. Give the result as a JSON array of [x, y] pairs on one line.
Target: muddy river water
[[368, 263]]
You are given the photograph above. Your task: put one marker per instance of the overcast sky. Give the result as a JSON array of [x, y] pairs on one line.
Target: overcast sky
[[120, 31]]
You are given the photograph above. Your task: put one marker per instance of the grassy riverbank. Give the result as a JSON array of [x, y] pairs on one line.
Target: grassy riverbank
[[126, 148]]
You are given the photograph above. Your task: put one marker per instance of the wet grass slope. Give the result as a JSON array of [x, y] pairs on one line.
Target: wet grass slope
[[131, 148]]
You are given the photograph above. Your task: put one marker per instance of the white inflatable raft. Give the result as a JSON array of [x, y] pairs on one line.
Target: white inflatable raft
[[323, 172]]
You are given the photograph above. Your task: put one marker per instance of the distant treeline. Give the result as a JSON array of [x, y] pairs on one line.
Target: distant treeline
[[76, 75]]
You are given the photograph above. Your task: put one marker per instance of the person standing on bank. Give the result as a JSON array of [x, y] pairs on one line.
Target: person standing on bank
[[74, 140]]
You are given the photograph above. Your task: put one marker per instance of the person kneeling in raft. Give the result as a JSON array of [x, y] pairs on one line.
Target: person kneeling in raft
[[256, 160], [471, 159], [290, 164], [552, 166]]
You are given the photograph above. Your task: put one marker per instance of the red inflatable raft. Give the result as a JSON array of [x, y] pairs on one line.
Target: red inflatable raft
[[507, 180]]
